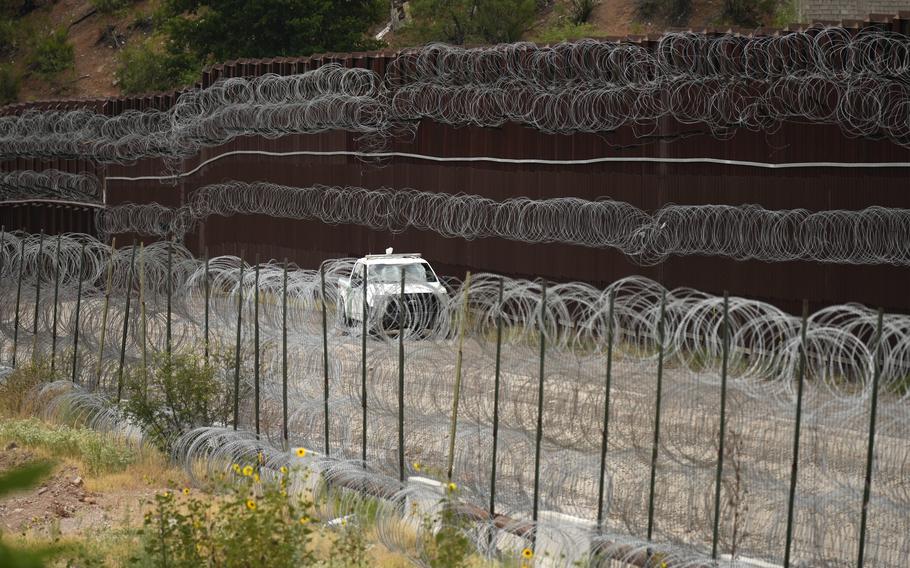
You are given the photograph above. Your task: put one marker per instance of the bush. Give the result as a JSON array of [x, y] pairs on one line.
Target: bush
[[9, 85], [19, 388], [581, 10], [465, 21], [93, 448], [111, 6], [254, 526], [52, 54], [565, 32], [145, 69], [749, 13], [675, 12], [180, 393], [504, 21]]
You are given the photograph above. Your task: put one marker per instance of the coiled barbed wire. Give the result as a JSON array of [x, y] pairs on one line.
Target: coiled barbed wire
[[875, 235], [856, 81], [763, 369], [28, 184]]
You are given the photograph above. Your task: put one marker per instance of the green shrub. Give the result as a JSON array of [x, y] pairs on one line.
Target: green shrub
[[52, 54], [143, 69], [9, 85], [581, 10], [256, 525], [111, 6], [749, 13], [94, 448], [564, 32], [178, 394], [18, 390], [675, 12]]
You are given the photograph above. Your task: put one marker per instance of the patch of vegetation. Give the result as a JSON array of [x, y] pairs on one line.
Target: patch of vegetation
[[564, 31], [52, 54], [24, 477], [581, 10], [145, 67], [177, 394], [9, 85], [18, 390], [95, 449], [750, 13], [469, 21], [674, 12], [111, 6]]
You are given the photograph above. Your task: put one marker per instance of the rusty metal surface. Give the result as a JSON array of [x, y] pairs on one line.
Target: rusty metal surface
[[646, 185]]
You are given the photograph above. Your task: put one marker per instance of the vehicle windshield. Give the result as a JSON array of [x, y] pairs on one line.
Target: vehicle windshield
[[419, 272]]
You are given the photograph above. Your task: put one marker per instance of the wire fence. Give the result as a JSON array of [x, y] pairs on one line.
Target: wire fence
[[631, 424]]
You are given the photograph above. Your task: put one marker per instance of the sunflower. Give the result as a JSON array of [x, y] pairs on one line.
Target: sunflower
[[186, 490], [284, 470], [236, 468], [452, 486], [250, 504], [527, 553], [247, 470], [301, 452]]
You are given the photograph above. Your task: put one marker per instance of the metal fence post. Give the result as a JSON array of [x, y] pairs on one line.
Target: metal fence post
[[38, 272], [606, 429], [458, 360], [660, 377], [18, 301], [78, 309], [363, 366], [539, 435], [237, 347], [56, 299], [2, 246], [256, 376], [794, 464], [144, 320], [870, 453], [128, 292], [207, 291], [325, 359], [284, 355], [496, 379], [725, 354], [401, 318], [107, 301], [169, 292]]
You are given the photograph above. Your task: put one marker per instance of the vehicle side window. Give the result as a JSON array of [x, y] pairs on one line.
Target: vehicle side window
[[357, 275], [430, 277]]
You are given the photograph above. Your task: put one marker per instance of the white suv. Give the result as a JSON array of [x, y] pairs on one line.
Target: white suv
[[424, 294]]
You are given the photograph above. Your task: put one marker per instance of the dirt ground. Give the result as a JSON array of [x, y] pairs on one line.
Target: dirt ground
[[62, 504]]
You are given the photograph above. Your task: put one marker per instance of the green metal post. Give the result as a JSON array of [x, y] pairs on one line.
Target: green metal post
[[496, 380], [870, 453], [539, 436], [725, 355], [606, 429], [128, 292], [237, 347], [78, 310], [284, 356], [38, 270], [794, 464], [18, 299], [325, 359], [56, 299], [401, 317], [207, 290], [363, 366], [256, 346], [660, 377]]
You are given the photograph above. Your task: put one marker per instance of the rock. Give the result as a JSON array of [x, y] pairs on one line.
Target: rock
[[17, 511], [78, 482], [42, 490]]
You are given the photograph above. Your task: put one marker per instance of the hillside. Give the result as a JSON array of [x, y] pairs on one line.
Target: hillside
[[38, 63]]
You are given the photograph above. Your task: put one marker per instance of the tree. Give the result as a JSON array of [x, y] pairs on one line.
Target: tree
[[220, 30], [470, 21]]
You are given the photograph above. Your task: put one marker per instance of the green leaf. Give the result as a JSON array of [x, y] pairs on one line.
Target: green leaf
[[23, 478]]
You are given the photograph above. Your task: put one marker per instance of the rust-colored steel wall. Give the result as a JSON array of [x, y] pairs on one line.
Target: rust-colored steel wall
[[645, 185]]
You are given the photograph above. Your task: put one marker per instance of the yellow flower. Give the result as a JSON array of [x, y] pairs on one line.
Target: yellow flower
[[344, 522], [236, 468], [250, 504], [304, 520], [301, 452], [186, 490], [416, 466], [284, 469], [452, 486], [248, 470], [527, 553], [256, 477], [166, 494]]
